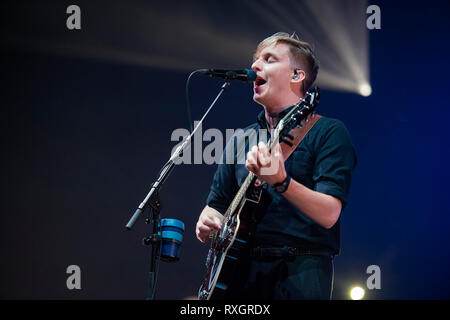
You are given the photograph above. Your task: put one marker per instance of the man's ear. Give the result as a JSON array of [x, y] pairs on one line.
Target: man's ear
[[299, 76]]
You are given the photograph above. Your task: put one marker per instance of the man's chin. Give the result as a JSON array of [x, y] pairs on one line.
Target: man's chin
[[258, 99]]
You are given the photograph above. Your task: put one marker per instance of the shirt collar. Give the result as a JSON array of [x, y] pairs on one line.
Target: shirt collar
[[262, 116]]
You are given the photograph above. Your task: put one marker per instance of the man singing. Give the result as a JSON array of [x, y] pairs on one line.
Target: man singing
[[299, 233]]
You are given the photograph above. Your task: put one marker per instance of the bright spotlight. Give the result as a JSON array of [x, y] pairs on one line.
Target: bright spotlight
[[336, 29], [357, 293], [365, 89]]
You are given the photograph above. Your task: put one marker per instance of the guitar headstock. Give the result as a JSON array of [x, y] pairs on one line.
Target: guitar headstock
[[300, 111]]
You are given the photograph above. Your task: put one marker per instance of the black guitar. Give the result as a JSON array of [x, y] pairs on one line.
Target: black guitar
[[238, 226]]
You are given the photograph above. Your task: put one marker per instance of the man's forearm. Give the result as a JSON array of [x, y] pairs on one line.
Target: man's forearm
[[322, 208]]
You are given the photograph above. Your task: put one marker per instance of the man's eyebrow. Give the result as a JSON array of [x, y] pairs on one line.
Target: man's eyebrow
[[265, 54], [256, 56]]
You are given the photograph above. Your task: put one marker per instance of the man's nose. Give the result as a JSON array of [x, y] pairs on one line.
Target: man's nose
[[256, 65]]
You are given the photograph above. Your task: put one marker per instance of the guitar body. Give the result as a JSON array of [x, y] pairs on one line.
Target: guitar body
[[225, 257]]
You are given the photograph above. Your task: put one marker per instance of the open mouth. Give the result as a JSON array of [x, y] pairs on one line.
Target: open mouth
[[259, 81]]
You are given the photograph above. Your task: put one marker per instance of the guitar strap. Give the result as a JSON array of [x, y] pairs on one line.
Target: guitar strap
[[298, 134]]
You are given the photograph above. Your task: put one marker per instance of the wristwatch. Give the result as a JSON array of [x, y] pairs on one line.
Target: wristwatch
[[282, 186]]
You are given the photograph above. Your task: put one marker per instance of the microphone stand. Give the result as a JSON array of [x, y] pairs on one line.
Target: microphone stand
[[152, 199]]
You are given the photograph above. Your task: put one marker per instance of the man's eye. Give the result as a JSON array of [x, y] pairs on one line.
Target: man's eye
[[270, 59]]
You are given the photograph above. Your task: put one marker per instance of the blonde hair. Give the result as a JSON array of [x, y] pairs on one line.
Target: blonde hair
[[301, 55]]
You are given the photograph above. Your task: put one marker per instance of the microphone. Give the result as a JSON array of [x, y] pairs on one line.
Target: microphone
[[243, 75]]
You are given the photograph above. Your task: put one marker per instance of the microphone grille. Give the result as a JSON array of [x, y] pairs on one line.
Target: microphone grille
[[251, 75]]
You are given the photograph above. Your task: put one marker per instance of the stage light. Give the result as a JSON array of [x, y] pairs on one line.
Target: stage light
[[365, 89], [337, 30], [177, 35], [357, 293]]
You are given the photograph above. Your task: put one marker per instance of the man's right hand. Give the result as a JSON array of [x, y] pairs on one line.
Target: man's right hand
[[209, 220]]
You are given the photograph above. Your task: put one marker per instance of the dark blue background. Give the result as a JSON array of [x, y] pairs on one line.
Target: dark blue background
[[82, 140]]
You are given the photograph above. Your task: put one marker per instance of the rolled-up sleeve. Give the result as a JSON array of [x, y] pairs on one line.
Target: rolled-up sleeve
[[334, 163]]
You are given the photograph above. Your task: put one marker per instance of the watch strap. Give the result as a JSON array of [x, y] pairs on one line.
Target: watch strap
[[282, 186]]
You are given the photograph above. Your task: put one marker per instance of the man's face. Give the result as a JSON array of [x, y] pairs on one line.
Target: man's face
[[274, 74]]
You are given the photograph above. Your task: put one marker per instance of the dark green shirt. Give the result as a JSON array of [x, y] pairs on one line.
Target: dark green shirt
[[323, 161]]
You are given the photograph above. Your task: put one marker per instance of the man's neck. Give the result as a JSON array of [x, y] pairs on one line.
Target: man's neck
[[271, 119], [272, 112], [272, 116]]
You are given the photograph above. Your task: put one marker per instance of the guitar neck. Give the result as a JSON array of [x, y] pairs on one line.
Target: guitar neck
[[239, 195]]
